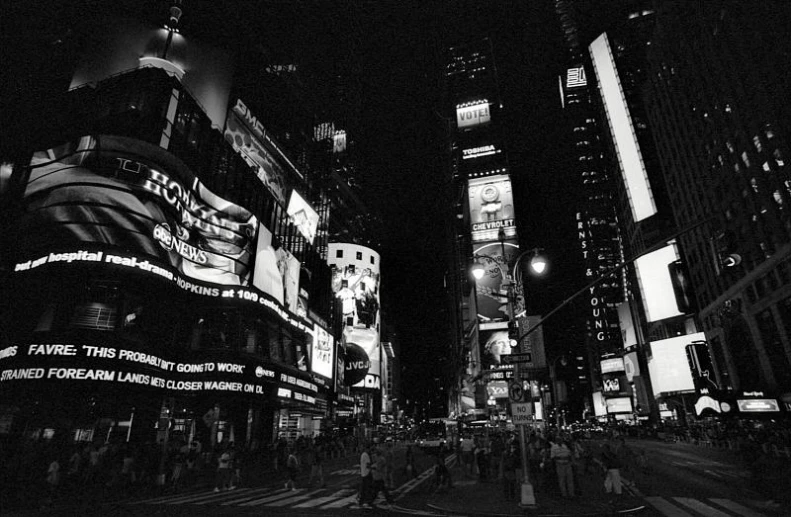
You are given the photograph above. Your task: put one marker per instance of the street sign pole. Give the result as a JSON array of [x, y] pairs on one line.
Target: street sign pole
[[528, 497]]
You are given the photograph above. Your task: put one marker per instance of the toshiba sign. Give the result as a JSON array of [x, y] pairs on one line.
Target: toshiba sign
[[475, 115]]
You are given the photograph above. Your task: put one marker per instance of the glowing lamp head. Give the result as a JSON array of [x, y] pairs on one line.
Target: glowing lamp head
[[478, 270], [538, 264]]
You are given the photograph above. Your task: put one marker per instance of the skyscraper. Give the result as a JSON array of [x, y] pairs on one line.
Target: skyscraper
[[716, 73]]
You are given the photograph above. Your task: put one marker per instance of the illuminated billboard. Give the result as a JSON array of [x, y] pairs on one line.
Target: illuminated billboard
[[247, 136], [630, 158], [303, 216], [322, 353], [656, 286], [668, 365], [130, 195], [473, 115], [758, 405], [491, 206], [355, 282], [614, 364], [575, 77], [492, 295], [619, 405], [495, 345]]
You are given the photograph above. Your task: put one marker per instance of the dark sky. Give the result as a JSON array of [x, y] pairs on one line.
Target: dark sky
[[397, 46]]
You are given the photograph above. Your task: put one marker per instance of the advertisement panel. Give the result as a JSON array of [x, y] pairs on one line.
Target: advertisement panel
[[656, 286], [355, 282], [114, 363], [491, 293], [619, 405], [473, 115], [132, 195], [322, 353], [247, 136], [303, 216], [496, 344], [491, 206], [613, 364], [668, 366]]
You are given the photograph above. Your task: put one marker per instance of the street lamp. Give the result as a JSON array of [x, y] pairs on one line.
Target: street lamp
[[510, 281]]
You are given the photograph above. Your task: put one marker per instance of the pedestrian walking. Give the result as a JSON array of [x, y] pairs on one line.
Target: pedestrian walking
[[317, 468], [612, 470], [562, 456], [378, 474], [366, 479], [292, 468], [411, 470], [390, 457], [467, 456], [223, 478], [509, 464]]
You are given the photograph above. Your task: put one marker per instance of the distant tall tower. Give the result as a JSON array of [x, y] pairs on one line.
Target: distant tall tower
[[597, 223]]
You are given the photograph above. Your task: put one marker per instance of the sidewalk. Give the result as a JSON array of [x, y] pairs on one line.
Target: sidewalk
[[470, 496]]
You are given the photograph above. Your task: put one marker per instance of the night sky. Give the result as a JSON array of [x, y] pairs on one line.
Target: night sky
[[397, 48]]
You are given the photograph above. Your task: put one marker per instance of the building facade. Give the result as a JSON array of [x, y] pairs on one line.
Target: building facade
[[162, 259], [722, 138]]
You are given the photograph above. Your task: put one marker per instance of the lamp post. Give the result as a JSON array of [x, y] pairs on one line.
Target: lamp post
[[538, 265]]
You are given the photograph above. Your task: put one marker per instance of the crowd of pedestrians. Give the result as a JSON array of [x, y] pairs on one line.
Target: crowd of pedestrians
[[555, 462], [40, 474]]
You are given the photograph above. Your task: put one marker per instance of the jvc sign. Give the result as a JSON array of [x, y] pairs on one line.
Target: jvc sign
[[521, 413]]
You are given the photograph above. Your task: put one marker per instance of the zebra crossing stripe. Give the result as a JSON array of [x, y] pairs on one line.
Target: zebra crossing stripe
[[666, 508], [182, 498], [231, 496], [700, 507], [736, 507], [252, 495], [341, 503], [163, 498], [284, 493], [291, 500], [322, 500]]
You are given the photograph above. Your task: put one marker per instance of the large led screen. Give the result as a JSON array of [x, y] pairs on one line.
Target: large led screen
[[491, 206], [668, 365], [491, 294], [322, 356], [247, 136], [355, 282], [131, 195], [641, 198], [471, 116], [304, 217], [495, 344], [656, 285]]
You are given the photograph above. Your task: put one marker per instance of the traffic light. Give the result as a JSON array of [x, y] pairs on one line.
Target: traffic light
[[513, 333]]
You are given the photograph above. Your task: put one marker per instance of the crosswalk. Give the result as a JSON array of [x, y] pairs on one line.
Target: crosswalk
[[326, 499], [692, 507]]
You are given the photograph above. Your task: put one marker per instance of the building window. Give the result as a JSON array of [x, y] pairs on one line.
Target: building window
[[338, 253], [774, 348], [373, 261], [359, 255]]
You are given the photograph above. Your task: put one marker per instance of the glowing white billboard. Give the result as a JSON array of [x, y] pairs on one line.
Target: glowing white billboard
[[474, 115], [668, 365], [491, 206], [656, 286], [619, 405], [641, 199], [303, 216], [355, 282], [322, 356], [614, 364]]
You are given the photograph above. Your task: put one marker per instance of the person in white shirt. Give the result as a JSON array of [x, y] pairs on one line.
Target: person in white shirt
[[561, 455], [366, 478]]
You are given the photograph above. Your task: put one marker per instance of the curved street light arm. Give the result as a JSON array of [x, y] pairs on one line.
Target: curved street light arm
[[615, 269]]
